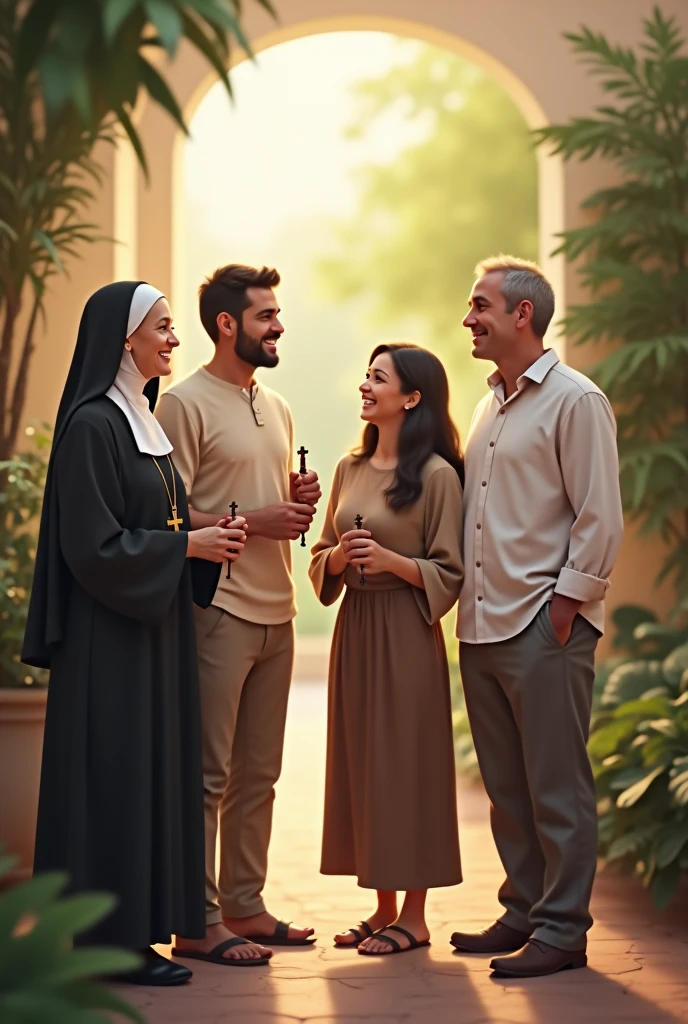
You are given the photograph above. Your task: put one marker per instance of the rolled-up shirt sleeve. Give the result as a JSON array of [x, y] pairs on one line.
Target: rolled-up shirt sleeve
[[590, 468]]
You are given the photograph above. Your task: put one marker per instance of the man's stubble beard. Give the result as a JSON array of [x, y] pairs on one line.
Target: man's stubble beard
[[251, 351]]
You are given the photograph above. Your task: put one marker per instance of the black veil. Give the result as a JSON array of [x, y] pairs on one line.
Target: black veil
[[94, 366], [98, 352]]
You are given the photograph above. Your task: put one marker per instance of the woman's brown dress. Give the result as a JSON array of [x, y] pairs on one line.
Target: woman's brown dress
[[390, 794]]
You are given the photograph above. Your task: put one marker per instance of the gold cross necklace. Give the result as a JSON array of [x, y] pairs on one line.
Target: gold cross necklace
[[175, 521]]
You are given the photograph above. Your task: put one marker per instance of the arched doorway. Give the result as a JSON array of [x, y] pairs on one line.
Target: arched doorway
[[262, 181], [149, 217]]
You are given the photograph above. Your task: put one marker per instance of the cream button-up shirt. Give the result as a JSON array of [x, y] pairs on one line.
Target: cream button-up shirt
[[542, 501]]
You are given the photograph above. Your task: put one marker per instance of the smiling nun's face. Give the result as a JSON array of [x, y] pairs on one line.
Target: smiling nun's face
[[152, 343]]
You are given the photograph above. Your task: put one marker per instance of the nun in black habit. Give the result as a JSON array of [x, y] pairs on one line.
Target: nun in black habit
[[121, 798]]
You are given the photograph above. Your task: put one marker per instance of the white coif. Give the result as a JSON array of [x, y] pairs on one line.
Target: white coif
[[127, 390], [142, 302]]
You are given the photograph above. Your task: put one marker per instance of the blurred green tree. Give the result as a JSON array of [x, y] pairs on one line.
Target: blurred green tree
[[466, 190]]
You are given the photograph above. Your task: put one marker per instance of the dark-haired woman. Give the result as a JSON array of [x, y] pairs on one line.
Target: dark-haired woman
[[390, 799]]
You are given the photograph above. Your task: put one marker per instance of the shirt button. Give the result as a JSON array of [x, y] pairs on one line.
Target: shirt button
[[480, 598], [502, 411], [478, 527], [491, 444], [478, 564], [484, 483]]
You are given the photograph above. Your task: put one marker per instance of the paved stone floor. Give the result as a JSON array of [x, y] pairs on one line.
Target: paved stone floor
[[638, 958]]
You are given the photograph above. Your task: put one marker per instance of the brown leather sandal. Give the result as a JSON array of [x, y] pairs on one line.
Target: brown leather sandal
[[396, 948]]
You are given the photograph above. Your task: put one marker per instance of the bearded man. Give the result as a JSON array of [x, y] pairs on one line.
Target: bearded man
[[234, 442]]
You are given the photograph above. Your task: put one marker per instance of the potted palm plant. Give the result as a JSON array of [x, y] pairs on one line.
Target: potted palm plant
[[22, 689]]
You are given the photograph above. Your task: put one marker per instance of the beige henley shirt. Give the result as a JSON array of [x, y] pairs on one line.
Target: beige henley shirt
[[542, 502], [234, 445]]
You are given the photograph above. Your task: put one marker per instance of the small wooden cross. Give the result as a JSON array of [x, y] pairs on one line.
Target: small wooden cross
[[233, 508], [175, 521], [358, 521], [302, 453]]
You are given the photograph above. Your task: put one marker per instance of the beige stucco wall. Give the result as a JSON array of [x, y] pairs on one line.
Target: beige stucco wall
[[520, 41]]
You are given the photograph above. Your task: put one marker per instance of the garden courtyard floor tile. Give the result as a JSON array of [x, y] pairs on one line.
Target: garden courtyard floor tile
[[638, 957]]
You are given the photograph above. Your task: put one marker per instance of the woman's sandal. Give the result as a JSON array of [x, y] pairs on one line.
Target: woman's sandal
[[359, 938], [396, 948], [215, 955]]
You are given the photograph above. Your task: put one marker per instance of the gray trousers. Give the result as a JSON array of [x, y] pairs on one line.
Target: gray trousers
[[529, 701]]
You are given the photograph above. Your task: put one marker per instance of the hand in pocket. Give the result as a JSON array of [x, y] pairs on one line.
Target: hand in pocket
[[562, 613]]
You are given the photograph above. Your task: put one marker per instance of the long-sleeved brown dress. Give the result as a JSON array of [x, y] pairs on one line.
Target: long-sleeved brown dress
[[390, 794]]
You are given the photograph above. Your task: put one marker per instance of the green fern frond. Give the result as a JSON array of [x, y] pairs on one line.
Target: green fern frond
[[633, 261]]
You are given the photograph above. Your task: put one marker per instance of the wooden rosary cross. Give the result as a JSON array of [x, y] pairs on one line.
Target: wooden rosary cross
[[302, 453], [233, 508], [358, 522]]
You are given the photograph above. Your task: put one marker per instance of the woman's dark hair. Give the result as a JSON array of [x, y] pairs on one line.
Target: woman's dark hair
[[427, 428]]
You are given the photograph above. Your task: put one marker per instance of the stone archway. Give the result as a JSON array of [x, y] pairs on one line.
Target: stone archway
[[144, 213]]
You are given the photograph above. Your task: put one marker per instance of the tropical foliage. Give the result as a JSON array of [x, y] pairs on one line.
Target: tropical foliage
[[71, 75], [633, 254], [639, 751], [43, 979], [20, 502]]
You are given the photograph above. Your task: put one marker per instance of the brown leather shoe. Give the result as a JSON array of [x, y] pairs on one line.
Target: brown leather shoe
[[498, 938], [537, 958]]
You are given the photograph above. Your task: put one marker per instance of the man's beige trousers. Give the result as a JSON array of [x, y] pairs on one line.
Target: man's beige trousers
[[245, 673]]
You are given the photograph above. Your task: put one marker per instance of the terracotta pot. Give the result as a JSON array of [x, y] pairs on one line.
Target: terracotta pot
[[22, 717]]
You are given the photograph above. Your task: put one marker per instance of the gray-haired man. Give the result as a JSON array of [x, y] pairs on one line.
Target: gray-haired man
[[542, 529]]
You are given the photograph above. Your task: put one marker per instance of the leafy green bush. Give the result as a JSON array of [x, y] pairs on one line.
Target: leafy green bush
[[43, 979], [22, 480], [655, 659], [639, 751]]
